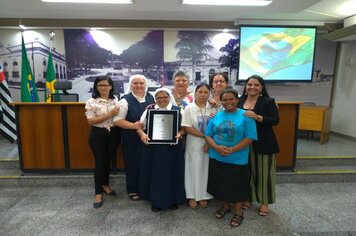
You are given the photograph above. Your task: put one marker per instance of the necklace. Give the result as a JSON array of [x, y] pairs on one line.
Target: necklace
[[201, 111], [203, 120]]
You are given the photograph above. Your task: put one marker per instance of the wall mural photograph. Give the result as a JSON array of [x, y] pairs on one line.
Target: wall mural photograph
[[156, 54], [79, 55]]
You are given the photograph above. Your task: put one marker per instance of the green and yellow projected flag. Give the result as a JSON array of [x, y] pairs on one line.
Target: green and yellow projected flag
[[50, 79], [28, 83], [271, 52]]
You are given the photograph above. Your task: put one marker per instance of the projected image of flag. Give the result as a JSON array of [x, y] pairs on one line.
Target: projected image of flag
[[277, 53], [7, 112]]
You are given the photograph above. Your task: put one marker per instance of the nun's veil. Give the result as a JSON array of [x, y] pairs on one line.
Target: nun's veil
[[132, 77]]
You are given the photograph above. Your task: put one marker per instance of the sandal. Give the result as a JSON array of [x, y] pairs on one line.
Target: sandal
[[134, 196], [263, 213], [108, 190], [263, 210], [192, 203], [236, 221], [219, 214], [245, 205], [203, 203]]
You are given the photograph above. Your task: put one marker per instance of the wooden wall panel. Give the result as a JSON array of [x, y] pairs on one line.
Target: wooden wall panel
[[41, 137], [80, 156], [43, 147]]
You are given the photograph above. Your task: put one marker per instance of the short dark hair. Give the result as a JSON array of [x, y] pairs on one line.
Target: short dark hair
[[96, 93], [202, 85], [229, 90], [223, 74]]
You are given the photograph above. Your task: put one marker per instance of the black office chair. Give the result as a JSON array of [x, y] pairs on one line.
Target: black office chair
[[64, 85]]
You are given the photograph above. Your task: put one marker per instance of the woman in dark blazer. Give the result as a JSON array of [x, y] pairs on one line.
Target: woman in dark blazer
[[263, 109]]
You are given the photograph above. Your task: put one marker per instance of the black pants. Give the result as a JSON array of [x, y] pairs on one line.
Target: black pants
[[103, 144]]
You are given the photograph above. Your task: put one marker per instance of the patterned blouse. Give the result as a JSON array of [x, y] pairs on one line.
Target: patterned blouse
[[97, 106]]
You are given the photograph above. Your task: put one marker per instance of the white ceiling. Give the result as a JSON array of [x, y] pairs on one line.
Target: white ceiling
[[328, 11]]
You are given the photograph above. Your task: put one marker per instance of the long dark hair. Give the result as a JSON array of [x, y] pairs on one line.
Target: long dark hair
[[96, 93], [264, 92]]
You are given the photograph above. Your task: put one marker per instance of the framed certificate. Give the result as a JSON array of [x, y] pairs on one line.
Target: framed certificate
[[162, 126]]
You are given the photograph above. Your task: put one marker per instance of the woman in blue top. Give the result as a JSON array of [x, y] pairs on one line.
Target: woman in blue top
[[229, 135]]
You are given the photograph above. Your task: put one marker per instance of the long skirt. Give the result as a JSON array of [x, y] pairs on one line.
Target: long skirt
[[228, 182], [167, 179], [262, 178]]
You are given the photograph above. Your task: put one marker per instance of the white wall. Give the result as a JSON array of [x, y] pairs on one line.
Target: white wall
[[343, 113]]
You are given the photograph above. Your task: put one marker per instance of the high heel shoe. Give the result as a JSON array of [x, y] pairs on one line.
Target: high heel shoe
[[98, 204]]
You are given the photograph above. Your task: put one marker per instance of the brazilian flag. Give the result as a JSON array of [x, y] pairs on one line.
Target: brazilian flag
[[50, 79], [28, 83]]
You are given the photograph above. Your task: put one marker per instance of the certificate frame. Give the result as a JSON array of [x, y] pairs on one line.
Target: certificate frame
[[157, 123]]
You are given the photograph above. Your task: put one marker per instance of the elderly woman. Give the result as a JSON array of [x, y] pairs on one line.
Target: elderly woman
[[182, 97], [132, 105], [229, 134], [166, 189]]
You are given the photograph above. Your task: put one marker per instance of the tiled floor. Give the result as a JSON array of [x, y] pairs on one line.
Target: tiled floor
[[301, 209]]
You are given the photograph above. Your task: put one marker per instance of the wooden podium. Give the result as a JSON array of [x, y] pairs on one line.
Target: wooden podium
[[54, 137], [286, 132]]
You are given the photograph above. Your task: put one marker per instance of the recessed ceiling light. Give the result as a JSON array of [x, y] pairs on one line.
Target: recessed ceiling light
[[23, 27], [92, 1], [228, 2]]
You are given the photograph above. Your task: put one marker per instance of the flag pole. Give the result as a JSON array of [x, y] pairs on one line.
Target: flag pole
[[51, 38], [50, 73]]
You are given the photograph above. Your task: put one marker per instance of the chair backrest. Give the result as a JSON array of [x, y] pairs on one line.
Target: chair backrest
[[64, 97], [62, 85]]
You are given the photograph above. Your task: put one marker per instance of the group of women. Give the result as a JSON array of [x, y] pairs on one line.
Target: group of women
[[225, 144]]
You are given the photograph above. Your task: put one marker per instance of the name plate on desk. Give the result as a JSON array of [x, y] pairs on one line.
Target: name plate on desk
[[162, 126]]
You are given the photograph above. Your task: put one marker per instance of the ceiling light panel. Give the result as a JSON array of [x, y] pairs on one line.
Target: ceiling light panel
[[228, 2], [92, 1]]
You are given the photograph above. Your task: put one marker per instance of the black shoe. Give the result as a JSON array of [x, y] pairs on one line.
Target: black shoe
[[155, 209], [173, 207], [98, 204]]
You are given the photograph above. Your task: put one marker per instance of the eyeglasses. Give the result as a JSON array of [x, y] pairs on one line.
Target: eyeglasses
[[219, 81], [160, 98], [104, 85]]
